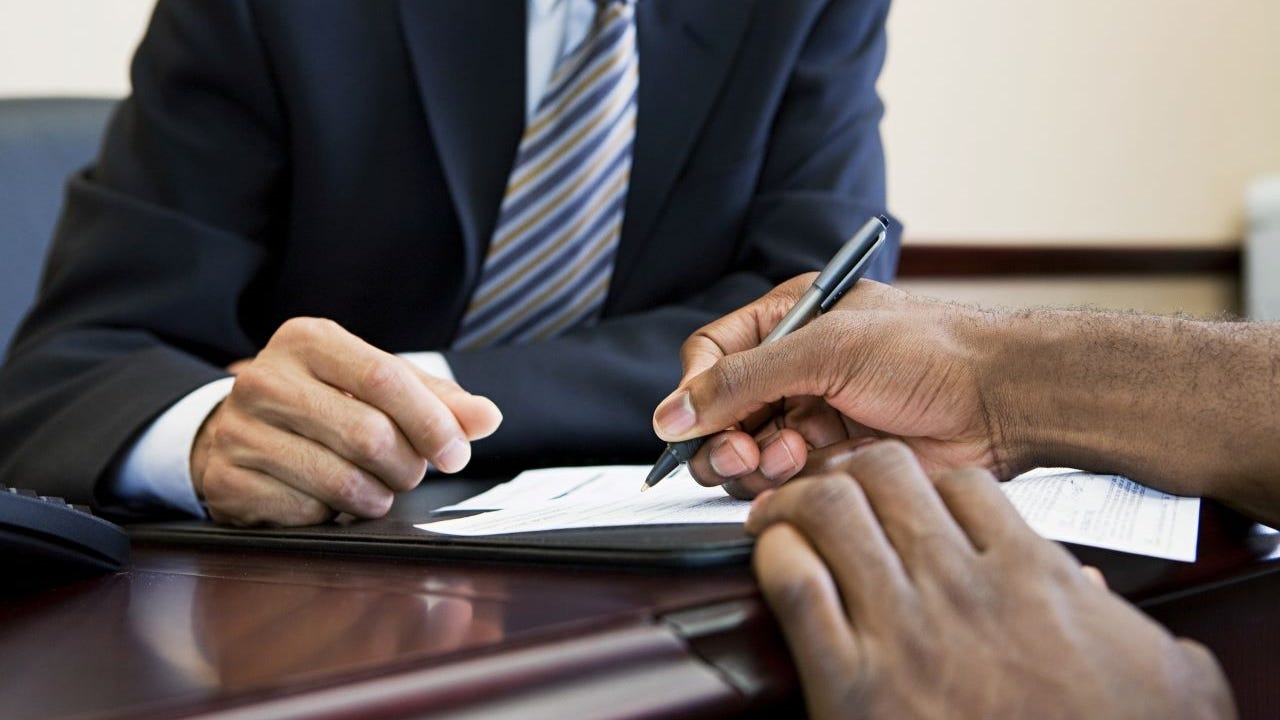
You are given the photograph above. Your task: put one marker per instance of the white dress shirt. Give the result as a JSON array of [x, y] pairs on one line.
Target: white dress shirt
[[157, 469]]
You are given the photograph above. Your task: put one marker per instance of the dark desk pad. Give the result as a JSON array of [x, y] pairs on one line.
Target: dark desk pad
[[664, 546]]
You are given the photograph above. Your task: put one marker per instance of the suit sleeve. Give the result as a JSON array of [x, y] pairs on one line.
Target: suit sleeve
[[588, 396], [157, 242]]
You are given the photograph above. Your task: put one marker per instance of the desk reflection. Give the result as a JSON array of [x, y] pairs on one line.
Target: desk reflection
[[236, 635], [183, 629], [133, 638]]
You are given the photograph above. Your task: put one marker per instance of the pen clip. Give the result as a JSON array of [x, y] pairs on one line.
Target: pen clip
[[854, 274]]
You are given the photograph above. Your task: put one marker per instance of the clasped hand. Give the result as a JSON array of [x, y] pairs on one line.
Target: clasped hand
[[321, 422]]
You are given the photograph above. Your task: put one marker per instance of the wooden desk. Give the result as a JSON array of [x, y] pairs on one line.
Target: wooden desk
[[232, 633]]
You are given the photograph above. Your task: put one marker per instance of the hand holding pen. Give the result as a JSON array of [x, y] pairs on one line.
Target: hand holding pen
[[839, 275]]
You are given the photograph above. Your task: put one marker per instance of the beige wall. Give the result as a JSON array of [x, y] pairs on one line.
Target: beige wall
[[1086, 121], [1081, 120], [1205, 297], [68, 47]]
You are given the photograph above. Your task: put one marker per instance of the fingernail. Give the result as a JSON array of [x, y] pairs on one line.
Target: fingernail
[[770, 466], [453, 456], [675, 415], [726, 461]]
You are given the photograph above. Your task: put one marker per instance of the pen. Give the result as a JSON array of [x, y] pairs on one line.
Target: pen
[[849, 264]]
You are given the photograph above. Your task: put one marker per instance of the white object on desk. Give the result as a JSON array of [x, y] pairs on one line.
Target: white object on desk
[[605, 496], [1105, 511]]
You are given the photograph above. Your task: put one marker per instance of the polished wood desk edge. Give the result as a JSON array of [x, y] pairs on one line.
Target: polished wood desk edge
[[1182, 593], [647, 668], [710, 649]]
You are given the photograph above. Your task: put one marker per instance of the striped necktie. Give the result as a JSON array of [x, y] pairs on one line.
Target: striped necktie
[[548, 265]]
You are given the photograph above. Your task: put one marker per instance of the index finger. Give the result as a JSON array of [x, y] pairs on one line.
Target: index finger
[[741, 329], [388, 383]]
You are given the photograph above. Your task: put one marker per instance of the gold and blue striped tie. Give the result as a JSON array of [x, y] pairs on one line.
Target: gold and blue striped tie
[[548, 266]]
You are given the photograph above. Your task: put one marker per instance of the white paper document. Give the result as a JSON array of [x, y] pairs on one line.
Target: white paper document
[[1105, 511], [604, 496], [579, 484]]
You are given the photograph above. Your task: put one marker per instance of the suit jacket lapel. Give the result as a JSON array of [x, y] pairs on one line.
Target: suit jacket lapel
[[686, 49], [469, 56]]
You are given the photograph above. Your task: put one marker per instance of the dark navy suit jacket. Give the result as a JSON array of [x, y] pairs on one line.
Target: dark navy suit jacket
[[347, 159]]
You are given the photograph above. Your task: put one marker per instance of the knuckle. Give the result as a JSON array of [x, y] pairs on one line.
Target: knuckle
[[823, 500], [254, 382], [1046, 559], [921, 642], [307, 511], [230, 498], [729, 376], [972, 586], [372, 438], [348, 488], [1206, 683], [382, 375], [438, 427], [891, 451], [379, 503], [356, 492], [233, 436], [304, 330], [961, 479], [977, 476], [696, 343], [316, 513], [1198, 655], [885, 457], [407, 478], [218, 485], [791, 589]]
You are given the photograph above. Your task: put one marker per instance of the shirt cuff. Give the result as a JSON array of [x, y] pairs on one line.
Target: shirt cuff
[[157, 469], [432, 363]]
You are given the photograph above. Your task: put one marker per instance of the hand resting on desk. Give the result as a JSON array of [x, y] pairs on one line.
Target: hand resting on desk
[[905, 596], [321, 422]]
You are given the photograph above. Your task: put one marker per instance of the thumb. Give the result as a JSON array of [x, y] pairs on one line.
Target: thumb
[[738, 385], [741, 329]]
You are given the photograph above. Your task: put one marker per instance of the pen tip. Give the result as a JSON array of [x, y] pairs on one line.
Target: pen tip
[[645, 487]]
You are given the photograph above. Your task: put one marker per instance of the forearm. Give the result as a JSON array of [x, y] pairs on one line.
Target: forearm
[[1185, 406], [68, 414]]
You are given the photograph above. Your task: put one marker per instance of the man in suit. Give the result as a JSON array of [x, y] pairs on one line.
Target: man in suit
[[892, 556], [324, 190]]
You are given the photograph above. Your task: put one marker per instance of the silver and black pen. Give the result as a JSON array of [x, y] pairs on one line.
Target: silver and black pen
[[849, 264]]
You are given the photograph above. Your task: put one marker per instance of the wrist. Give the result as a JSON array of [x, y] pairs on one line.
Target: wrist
[[1009, 387], [1037, 382], [1066, 392], [201, 448]]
